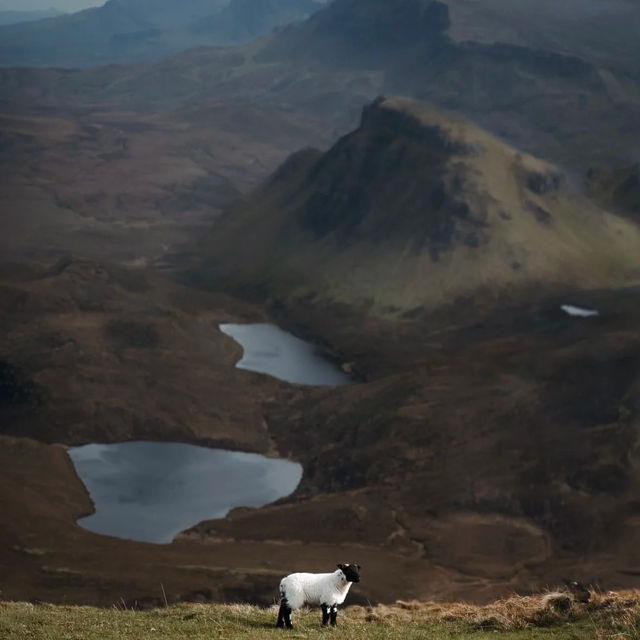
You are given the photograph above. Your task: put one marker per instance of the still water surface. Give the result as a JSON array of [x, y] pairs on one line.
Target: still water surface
[[150, 491], [270, 350]]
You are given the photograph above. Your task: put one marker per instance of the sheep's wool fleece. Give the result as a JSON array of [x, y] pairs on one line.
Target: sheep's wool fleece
[[314, 588]]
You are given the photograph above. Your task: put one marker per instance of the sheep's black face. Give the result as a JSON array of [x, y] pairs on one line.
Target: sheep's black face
[[351, 572]]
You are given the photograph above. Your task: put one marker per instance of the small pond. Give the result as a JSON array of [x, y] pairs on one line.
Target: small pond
[[579, 312], [270, 350], [150, 491]]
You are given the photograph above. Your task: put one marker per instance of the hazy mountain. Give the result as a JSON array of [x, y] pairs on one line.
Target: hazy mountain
[[414, 209], [355, 32], [14, 17], [245, 20], [94, 35], [602, 31], [554, 105], [549, 100], [124, 31]]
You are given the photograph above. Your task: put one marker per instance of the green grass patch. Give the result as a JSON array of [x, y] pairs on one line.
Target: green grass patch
[[22, 621]]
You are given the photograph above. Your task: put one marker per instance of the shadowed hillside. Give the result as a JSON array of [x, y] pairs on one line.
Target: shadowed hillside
[[617, 189]]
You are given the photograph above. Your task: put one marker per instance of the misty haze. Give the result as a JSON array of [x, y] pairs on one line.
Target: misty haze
[[293, 284]]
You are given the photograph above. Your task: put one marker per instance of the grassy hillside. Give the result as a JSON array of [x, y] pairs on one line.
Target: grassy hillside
[[414, 209], [554, 615]]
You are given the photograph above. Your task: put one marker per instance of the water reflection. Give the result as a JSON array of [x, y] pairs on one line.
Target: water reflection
[[270, 350], [151, 491]]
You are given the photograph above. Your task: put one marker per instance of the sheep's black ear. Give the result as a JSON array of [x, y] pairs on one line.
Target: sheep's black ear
[[340, 566], [358, 567]]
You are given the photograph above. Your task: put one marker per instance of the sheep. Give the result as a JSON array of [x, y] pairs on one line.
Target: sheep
[[325, 589]]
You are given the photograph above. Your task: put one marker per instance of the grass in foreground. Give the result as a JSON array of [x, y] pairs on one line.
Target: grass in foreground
[[552, 616]]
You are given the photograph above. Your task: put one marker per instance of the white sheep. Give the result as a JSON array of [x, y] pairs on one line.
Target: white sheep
[[327, 590]]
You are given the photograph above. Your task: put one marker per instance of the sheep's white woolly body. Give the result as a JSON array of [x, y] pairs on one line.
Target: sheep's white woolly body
[[314, 588]]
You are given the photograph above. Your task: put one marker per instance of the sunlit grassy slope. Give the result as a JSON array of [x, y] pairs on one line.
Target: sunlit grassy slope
[[418, 207], [550, 616]]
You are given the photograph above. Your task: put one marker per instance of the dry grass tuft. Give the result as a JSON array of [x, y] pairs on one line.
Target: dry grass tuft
[[611, 614]]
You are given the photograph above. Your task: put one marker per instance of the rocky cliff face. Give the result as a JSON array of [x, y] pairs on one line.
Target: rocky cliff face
[[352, 32]]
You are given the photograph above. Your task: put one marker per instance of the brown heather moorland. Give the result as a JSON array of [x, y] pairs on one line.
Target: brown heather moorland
[[489, 443]]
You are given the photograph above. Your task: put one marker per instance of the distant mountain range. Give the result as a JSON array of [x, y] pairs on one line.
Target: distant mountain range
[[124, 31], [15, 17], [551, 103]]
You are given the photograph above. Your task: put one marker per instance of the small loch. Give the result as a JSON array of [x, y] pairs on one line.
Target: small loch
[[272, 351], [150, 491]]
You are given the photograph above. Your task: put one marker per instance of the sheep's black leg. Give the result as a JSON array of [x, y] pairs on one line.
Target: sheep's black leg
[[334, 615], [287, 618], [284, 615], [325, 615]]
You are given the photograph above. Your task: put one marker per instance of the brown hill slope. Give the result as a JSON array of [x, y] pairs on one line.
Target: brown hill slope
[[503, 453], [129, 186], [91, 351], [413, 210], [498, 456]]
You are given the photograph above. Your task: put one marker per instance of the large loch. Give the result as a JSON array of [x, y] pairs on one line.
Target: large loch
[[150, 491]]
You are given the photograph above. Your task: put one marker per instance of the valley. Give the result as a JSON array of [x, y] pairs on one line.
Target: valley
[[426, 242]]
